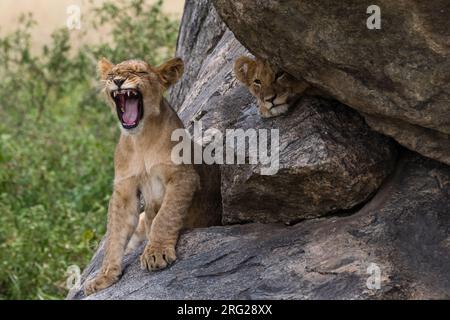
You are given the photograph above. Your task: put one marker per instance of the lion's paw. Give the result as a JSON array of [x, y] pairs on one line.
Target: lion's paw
[[100, 282], [157, 257]]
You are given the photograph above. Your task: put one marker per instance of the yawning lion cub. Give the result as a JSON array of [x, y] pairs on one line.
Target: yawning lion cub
[[143, 165]]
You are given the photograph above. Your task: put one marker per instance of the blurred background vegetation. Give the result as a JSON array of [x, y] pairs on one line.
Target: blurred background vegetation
[[57, 139]]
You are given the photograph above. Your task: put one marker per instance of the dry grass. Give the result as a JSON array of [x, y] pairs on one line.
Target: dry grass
[[51, 14]]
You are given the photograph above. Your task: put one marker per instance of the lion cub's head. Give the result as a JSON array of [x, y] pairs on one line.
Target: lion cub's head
[[134, 89], [274, 89]]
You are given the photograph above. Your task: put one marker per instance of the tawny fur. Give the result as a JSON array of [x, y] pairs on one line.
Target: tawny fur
[[173, 199], [276, 91]]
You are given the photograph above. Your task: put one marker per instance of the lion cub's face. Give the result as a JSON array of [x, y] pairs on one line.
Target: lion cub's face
[[275, 90], [134, 89]]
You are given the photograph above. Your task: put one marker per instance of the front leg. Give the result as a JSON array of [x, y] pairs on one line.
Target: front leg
[[145, 223], [182, 182], [122, 220]]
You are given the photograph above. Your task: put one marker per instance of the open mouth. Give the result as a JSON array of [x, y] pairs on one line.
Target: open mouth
[[129, 105]]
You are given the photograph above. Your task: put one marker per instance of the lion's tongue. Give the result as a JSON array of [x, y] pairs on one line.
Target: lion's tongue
[[130, 116]]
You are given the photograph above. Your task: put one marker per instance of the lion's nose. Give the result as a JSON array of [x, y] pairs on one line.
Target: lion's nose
[[119, 82]]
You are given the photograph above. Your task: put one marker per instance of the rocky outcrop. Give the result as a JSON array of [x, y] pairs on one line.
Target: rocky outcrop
[[397, 77], [402, 235], [363, 233], [329, 160]]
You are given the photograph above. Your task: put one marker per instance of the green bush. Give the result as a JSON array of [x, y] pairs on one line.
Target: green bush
[[57, 139]]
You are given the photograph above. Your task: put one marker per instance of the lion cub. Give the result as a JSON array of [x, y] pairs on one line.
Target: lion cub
[[275, 90], [143, 165]]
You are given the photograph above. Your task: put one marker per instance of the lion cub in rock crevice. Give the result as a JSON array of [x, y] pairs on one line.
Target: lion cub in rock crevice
[[143, 165], [275, 90]]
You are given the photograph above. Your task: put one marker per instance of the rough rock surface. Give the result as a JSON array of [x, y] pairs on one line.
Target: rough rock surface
[[329, 160], [399, 75], [401, 236], [404, 230]]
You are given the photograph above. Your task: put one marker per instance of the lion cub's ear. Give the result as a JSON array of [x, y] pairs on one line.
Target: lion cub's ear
[[171, 71], [244, 69], [104, 67]]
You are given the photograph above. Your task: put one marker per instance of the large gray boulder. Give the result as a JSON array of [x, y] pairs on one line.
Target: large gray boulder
[[329, 160], [402, 235], [397, 77]]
